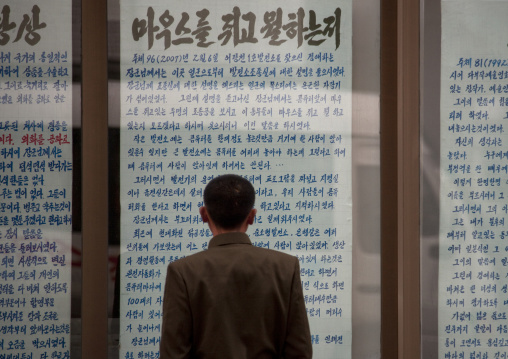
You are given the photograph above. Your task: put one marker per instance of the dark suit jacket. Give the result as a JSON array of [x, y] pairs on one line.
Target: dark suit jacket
[[234, 301]]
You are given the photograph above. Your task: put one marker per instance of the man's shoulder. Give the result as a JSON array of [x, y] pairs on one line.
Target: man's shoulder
[[274, 253], [188, 259], [267, 253], [274, 258]]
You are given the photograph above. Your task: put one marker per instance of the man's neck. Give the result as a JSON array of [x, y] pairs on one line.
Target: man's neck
[[218, 230]]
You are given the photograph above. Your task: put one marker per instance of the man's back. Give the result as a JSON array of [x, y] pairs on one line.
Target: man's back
[[235, 301]]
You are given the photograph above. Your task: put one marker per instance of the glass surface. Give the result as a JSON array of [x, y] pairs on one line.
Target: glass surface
[[40, 283], [364, 177], [464, 61]]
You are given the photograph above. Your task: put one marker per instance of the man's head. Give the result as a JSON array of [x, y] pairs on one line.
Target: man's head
[[229, 201]]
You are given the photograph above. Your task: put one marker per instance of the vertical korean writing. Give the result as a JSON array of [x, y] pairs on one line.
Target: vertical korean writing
[[260, 91], [473, 207], [35, 178]]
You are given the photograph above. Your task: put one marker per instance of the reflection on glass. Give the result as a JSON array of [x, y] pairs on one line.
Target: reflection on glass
[[277, 109], [472, 252], [36, 177]]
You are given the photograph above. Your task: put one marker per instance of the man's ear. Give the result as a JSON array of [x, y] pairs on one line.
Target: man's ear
[[204, 214], [251, 216]]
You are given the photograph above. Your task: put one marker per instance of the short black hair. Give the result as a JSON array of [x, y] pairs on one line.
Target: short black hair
[[228, 200]]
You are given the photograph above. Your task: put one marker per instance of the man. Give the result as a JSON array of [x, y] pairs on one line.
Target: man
[[234, 300]]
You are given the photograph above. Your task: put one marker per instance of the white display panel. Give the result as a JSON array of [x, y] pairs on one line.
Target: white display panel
[[35, 178], [262, 90], [474, 180]]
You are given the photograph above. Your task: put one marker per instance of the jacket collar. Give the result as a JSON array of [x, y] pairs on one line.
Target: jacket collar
[[229, 238]]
